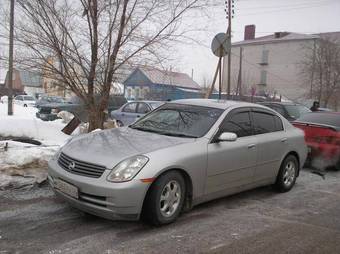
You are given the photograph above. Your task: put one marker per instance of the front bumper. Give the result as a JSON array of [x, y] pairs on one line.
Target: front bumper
[[116, 201]]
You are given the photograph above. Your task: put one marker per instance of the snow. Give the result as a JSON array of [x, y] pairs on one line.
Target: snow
[[24, 123]]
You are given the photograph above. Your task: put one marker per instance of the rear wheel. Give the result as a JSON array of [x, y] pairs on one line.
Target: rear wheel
[[337, 165], [119, 123], [165, 199], [287, 174]]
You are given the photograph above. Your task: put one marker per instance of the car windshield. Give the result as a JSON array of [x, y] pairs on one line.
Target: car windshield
[[28, 98], [179, 120], [332, 119], [296, 111]]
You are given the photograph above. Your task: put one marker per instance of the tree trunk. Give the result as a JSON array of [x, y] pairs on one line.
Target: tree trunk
[[96, 119]]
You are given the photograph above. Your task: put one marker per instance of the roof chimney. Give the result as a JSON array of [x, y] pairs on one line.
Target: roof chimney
[[249, 32]]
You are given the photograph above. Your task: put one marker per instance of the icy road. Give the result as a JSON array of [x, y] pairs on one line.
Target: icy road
[[305, 220]]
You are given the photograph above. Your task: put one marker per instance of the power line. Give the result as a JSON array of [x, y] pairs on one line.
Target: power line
[[286, 9]]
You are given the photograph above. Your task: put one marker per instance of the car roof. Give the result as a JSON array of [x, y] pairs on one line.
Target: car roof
[[147, 101], [280, 103], [214, 103]]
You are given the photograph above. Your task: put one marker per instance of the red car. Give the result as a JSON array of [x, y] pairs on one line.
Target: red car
[[322, 135]]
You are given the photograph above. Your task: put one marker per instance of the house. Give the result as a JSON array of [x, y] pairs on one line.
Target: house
[[153, 84], [26, 82], [271, 65]]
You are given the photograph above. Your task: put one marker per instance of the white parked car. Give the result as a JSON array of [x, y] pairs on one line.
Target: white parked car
[[4, 99], [24, 100]]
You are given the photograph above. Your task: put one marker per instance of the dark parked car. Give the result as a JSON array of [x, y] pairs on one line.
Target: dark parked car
[[322, 135], [131, 111], [289, 110], [49, 112]]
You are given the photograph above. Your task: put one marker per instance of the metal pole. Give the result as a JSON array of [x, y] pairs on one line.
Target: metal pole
[[10, 63], [239, 80], [229, 50], [220, 78]]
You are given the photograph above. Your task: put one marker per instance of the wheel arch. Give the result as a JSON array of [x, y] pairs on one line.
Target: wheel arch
[[188, 184]]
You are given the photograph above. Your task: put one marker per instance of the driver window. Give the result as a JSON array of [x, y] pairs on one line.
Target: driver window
[[239, 124], [143, 108], [130, 108]]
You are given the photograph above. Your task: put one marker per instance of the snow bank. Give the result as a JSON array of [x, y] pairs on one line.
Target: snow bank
[[25, 124]]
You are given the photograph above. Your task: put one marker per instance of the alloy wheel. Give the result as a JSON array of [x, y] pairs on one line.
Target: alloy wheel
[[170, 198]]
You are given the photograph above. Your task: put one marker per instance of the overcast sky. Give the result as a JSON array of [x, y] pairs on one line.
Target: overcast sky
[[269, 16]]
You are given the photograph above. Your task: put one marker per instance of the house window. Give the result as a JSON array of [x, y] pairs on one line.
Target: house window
[[263, 80], [129, 92], [265, 55], [137, 91]]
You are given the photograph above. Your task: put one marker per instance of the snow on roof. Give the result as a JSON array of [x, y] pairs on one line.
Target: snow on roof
[[169, 78], [284, 36]]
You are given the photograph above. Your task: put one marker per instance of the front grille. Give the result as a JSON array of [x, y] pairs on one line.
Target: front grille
[[80, 167]]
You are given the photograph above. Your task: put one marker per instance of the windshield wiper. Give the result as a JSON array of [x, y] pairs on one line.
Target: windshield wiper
[[174, 134]]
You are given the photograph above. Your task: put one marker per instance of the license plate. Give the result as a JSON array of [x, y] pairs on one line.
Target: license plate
[[43, 115], [66, 188]]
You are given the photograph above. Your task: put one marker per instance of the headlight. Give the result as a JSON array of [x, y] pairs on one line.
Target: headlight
[[127, 169]]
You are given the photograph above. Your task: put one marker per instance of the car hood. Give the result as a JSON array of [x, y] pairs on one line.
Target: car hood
[[109, 147]]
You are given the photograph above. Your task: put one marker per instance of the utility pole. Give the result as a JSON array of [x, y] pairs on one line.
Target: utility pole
[[10, 64], [230, 15], [239, 80]]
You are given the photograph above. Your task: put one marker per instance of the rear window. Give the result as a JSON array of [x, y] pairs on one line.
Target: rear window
[[332, 119], [265, 123], [296, 111]]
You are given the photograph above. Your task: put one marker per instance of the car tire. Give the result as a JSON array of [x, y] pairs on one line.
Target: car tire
[[165, 199], [25, 105], [119, 123], [337, 165], [287, 174]]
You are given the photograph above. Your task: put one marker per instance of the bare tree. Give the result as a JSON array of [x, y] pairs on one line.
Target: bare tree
[[321, 69], [83, 44]]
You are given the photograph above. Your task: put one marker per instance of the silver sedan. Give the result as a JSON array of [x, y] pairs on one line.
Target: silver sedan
[[184, 153]]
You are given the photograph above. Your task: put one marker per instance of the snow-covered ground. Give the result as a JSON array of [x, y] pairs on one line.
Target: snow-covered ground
[[24, 123]]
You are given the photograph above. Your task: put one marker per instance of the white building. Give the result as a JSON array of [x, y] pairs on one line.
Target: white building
[[270, 64]]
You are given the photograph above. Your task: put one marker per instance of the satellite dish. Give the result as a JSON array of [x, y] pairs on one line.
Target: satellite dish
[[220, 45]]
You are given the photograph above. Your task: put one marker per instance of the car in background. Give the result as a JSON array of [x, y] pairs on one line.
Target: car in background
[[131, 111], [290, 111], [49, 112], [324, 110], [4, 99], [43, 100], [322, 135], [179, 155], [25, 100]]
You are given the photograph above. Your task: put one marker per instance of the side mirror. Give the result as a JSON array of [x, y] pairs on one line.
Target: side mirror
[[227, 136]]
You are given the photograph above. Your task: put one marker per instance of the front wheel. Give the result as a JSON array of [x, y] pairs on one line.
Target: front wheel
[[165, 200], [287, 174], [25, 105]]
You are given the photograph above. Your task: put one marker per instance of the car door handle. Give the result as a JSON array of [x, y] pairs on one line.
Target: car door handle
[[283, 140], [138, 115], [250, 146]]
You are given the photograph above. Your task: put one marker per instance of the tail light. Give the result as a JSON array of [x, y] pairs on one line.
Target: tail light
[[327, 140]]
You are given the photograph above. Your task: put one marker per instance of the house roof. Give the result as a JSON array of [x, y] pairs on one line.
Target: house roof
[[179, 79], [333, 36], [285, 36]]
